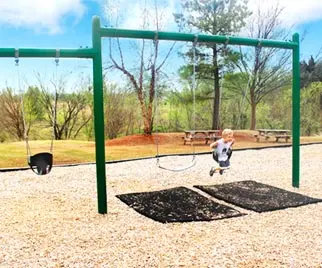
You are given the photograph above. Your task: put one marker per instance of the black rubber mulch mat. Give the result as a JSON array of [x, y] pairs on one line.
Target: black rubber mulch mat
[[178, 204], [257, 196]]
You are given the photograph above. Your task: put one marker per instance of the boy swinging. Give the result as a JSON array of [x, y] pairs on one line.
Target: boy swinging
[[222, 150]]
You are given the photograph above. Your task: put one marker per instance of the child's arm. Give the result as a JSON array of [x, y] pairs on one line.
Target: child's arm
[[213, 145], [232, 143]]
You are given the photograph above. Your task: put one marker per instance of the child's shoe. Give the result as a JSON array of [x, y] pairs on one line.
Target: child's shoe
[[212, 171]]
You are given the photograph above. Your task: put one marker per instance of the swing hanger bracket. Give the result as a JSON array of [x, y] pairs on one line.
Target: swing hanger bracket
[[227, 41], [156, 37], [17, 56], [195, 40], [259, 44], [57, 57]]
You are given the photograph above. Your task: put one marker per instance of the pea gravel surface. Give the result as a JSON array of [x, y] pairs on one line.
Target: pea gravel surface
[[52, 221]]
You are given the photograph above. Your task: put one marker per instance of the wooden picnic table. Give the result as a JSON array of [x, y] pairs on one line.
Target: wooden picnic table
[[192, 135], [275, 133]]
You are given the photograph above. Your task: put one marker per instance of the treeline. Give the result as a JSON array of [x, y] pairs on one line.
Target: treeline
[[48, 112]]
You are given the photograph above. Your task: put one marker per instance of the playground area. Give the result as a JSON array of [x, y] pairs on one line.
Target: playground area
[[52, 221]]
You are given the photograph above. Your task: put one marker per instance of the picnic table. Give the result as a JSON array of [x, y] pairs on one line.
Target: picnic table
[[206, 135], [275, 133]]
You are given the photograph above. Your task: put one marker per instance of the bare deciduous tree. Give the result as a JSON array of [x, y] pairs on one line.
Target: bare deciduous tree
[[11, 113], [65, 111], [265, 68], [115, 111], [148, 68]]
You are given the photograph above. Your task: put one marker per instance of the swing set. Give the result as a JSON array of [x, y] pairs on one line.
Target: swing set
[[43, 162], [194, 158], [40, 163]]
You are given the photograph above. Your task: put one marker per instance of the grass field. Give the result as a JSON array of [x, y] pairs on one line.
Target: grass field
[[70, 151]]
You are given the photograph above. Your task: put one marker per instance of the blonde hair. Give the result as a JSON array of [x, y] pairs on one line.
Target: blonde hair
[[226, 132]]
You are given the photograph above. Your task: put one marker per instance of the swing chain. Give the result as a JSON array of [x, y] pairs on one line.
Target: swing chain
[[25, 133], [155, 43], [195, 41], [54, 116], [193, 161]]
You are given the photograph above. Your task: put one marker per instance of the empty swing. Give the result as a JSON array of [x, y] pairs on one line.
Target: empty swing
[[40, 163], [193, 161]]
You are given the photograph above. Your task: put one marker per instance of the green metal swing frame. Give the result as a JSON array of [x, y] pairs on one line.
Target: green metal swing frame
[[95, 53]]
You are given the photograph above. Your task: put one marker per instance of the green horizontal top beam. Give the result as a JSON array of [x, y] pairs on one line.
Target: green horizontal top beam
[[47, 53], [175, 36]]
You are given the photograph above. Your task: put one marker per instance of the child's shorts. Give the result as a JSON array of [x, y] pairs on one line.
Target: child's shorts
[[224, 163]]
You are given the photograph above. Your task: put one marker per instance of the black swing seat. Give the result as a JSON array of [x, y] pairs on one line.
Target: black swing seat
[[215, 155], [41, 163]]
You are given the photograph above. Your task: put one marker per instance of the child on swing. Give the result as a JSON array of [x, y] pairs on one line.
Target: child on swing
[[222, 150]]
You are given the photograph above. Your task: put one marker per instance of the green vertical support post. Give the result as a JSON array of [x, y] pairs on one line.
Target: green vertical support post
[[99, 117], [296, 100]]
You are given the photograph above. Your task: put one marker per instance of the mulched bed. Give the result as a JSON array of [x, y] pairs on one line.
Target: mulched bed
[[257, 196], [178, 204]]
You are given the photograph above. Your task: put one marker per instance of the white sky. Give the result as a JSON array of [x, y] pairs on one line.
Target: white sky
[[47, 14], [295, 11], [40, 15], [132, 13]]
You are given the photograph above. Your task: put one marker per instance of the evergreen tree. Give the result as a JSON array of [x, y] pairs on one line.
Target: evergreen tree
[[215, 17]]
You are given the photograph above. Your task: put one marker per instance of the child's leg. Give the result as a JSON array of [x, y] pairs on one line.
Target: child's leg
[[213, 169], [228, 163], [224, 164]]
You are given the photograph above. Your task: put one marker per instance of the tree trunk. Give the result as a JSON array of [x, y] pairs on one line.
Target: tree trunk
[[148, 122], [253, 116], [146, 114], [216, 103], [147, 127]]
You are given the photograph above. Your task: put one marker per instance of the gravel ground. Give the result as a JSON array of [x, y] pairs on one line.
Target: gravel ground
[[52, 221]]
